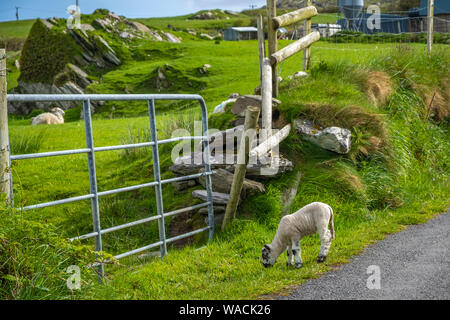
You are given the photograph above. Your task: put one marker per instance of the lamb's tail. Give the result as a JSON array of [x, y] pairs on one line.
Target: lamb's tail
[[331, 222]]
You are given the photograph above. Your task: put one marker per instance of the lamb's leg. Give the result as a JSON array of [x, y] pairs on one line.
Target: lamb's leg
[[325, 239], [290, 256], [297, 253]]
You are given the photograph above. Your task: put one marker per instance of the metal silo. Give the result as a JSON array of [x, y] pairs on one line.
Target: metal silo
[[351, 9]]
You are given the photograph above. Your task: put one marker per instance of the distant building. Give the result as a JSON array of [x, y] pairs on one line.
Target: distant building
[[414, 21], [389, 23], [241, 33]]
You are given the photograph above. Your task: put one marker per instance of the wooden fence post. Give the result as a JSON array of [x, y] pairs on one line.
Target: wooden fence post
[[4, 138], [430, 26], [251, 119], [266, 96], [307, 51], [273, 47], [261, 44]]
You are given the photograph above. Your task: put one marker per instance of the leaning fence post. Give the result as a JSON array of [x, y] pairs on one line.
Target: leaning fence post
[[5, 186], [251, 119], [430, 26]]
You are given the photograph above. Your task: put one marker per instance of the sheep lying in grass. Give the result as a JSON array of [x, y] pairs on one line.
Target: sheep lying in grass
[[55, 116], [314, 217]]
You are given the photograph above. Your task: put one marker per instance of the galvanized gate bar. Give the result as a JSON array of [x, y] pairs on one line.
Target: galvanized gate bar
[[157, 174], [91, 149], [114, 191], [99, 149], [206, 159], [139, 222], [186, 235], [93, 180]]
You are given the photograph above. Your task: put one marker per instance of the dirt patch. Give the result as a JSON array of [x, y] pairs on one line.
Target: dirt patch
[[378, 87]]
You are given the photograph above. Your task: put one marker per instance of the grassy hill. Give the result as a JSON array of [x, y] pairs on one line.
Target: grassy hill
[[396, 174]]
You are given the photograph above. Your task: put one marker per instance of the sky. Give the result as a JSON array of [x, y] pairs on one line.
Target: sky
[[32, 9]]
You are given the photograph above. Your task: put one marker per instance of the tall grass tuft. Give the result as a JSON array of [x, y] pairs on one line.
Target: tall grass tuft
[[27, 142]]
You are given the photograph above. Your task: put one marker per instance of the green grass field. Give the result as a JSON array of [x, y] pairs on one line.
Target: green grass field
[[373, 193], [15, 29]]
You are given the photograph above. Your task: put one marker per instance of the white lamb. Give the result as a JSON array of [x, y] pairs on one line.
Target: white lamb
[[55, 116], [314, 217]]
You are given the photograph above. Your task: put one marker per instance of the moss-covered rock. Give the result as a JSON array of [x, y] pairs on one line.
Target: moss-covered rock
[[45, 53]]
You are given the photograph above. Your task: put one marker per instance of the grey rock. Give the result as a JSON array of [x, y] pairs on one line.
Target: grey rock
[[183, 185], [43, 88], [171, 38], [207, 36], [231, 13], [217, 197], [243, 102], [298, 75], [333, 138], [47, 23], [223, 179], [78, 75], [126, 35], [262, 168]]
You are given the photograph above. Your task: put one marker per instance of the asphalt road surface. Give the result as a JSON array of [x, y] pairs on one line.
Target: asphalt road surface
[[412, 264]]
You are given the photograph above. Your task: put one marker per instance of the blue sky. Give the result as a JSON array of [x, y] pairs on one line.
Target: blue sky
[[31, 9]]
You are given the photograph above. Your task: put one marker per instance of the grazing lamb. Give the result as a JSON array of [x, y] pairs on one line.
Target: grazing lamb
[[314, 217], [55, 116]]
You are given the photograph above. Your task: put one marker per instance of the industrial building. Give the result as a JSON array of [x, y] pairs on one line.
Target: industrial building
[[413, 21], [418, 16]]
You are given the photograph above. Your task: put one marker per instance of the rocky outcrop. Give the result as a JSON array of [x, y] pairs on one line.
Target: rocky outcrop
[[333, 138], [78, 50], [43, 88]]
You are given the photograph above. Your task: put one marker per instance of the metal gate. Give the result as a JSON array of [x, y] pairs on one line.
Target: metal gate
[[90, 150]]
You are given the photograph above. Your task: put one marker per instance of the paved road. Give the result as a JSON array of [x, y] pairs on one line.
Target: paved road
[[413, 264]]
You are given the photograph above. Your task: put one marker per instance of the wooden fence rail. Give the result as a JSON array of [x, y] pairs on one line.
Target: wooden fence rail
[[294, 48], [274, 23], [294, 16]]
